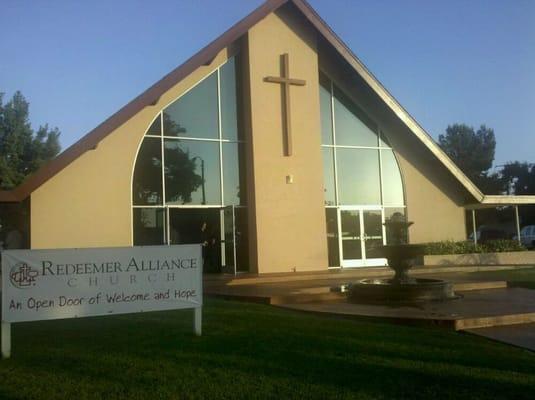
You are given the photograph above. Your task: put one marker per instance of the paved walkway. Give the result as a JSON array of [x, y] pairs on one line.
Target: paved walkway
[[475, 309], [262, 290], [478, 311], [517, 335]]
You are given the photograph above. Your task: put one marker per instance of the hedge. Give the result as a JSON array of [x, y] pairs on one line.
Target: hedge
[[468, 247]]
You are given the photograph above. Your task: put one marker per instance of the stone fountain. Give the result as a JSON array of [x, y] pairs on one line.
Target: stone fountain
[[402, 287]]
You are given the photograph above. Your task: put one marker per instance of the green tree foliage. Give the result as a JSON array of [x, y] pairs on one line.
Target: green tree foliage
[[519, 177], [181, 177], [22, 151], [473, 152]]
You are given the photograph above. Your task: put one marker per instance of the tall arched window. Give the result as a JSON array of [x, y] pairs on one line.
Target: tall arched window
[[189, 167], [362, 180]]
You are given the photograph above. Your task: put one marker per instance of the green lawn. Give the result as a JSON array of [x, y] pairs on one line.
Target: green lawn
[[256, 351], [524, 277]]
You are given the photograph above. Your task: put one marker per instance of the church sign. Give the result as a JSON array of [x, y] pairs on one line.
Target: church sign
[[53, 284]]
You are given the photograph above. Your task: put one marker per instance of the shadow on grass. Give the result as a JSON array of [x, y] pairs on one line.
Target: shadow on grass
[[256, 351]]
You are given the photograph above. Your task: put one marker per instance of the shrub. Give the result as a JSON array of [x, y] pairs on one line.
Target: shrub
[[499, 246], [468, 247]]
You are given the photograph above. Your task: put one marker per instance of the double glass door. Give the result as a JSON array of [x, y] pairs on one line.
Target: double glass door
[[360, 233], [221, 230]]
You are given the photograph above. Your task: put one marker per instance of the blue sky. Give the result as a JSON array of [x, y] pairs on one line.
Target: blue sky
[[445, 61]]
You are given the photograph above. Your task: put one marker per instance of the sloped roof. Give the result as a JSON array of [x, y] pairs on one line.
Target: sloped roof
[[204, 56]]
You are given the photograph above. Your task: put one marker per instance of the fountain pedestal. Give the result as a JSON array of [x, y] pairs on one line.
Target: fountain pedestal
[[400, 288]]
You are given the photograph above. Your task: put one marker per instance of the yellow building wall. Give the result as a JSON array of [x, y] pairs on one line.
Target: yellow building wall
[[89, 203], [290, 217], [436, 210]]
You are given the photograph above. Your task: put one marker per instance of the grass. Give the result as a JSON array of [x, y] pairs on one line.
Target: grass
[[256, 351], [524, 277]]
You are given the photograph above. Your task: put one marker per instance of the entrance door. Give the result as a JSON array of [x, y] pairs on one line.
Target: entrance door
[[198, 225], [361, 231], [228, 247]]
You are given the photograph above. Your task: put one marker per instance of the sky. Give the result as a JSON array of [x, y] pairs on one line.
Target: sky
[[451, 61]]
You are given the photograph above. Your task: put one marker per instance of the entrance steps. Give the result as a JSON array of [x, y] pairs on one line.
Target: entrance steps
[[349, 273], [324, 293], [478, 307]]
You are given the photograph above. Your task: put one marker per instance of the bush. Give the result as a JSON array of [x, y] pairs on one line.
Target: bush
[[468, 247], [499, 246]]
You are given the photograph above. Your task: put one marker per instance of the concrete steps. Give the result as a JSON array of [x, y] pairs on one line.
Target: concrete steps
[[467, 286], [495, 320], [324, 293], [350, 274]]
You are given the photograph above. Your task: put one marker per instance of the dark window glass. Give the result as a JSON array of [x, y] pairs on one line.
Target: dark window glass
[[194, 114], [396, 213], [325, 110], [192, 226], [156, 127], [373, 232], [358, 176], [149, 226], [242, 239], [147, 187], [229, 105], [332, 237], [392, 183], [328, 176], [15, 225], [192, 172], [353, 127], [351, 235], [233, 180]]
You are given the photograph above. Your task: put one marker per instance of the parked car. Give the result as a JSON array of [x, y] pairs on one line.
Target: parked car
[[527, 236], [487, 233]]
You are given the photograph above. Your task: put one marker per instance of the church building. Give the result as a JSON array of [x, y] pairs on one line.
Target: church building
[[273, 145]]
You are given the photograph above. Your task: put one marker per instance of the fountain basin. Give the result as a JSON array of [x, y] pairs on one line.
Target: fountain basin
[[392, 291]]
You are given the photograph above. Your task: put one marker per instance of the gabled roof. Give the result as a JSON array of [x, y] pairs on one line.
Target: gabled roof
[[150, 97]]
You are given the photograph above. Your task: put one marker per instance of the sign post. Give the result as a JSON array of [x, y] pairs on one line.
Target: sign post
[[6, 339], [72, 283], [197, 320]]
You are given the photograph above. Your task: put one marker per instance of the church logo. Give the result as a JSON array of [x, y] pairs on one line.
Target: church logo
[[23, 276]]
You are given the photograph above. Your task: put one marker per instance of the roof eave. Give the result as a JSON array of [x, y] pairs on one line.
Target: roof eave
[[150, 96], [8, 196], [386, 97]]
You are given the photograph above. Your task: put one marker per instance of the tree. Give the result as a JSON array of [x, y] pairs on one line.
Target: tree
[[22, 151], [473, 152], [519, 177], [181, 177]]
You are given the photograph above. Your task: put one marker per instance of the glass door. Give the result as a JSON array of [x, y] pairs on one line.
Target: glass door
[[373, 237], [361, 232], [228, 236], [350, 238]]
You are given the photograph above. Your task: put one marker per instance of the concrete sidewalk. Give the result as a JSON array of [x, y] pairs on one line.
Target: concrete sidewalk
[[516, 335]]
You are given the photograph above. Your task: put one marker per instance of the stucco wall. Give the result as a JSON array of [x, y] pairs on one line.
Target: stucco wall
[[434, 201], [88, 203], [289, 218]]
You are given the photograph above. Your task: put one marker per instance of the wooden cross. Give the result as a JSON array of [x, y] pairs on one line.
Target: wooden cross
[[286, 81]]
